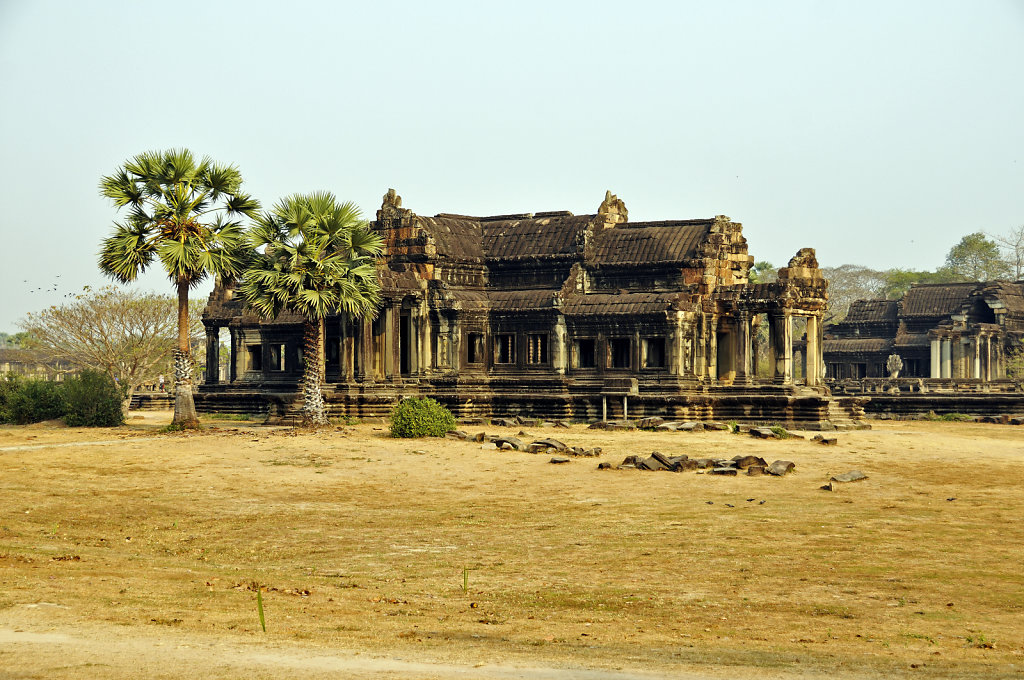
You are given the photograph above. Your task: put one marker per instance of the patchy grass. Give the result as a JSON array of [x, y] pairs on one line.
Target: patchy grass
[[472, 556]]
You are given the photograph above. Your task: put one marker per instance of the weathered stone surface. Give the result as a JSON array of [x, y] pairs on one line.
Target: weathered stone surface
[[828, 441], [667, 427], [663, 459], [680, 463], [650, 422], [630, 460], [471, 421], [537, 448], [480, 436], [563, 424], [756, 470], [509, 443], [721, 427], [604, 466], [599, 425], [724, 471], [763, 433], [691, 427], [620, 425], [781, 467], [559, 459], [456, 434], [547, 423], [851, 476], [743, 462], [724, 462], [704, 463], [504, 422]]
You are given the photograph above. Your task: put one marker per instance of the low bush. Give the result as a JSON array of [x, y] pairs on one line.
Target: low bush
[[420, 417], [35, 401], [93, 399], [9, 385]]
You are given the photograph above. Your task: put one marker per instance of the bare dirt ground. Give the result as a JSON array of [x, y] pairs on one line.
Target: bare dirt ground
[[134, 553]]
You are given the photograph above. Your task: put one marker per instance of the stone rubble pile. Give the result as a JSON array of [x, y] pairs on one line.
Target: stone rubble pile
[[657, 461]]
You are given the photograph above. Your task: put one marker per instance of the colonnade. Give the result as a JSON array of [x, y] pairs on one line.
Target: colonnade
[[970, 356]]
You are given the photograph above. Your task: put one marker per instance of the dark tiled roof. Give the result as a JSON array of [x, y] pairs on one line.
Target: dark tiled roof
[[860, 345], [455, 237], [514, 300], [662, 242], [872, 311], [1010, 294], [529, 238], [624, 303], [912, 340], [936, 299]]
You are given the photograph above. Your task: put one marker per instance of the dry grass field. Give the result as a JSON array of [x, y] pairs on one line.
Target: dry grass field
[[135, 553]]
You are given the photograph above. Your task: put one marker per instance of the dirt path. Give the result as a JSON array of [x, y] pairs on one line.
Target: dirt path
[[112, 653]]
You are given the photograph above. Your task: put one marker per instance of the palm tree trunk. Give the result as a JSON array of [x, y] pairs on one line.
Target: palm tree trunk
[[313, 411], [184, 404]]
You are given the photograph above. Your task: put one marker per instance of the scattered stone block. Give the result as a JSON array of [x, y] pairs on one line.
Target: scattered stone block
[[490, 446], [724, 462], [508, 443], [650, 422], [559, 459], [763, 433], [755, 470], [480, 436], [537, 448], [663, 459], [704, 463], [743, 462], [654, 464], [604, 466], [630, 460], [667, 427], [547, 423], [563, 424], [781, 467], [680, 463], [599, 425], [724, 471], [471, 421], [720, 427], [851, 476], [691, 427], [552, 443], [456, 434]]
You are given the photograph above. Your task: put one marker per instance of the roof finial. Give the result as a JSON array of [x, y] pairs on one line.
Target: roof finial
[[613, 209]]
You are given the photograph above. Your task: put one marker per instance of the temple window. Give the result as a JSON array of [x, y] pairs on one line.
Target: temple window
[[537, 346], [277, 357], [505, 348], [474, 348], [584, 354], [619, 350], [653, 352], [255, 353]]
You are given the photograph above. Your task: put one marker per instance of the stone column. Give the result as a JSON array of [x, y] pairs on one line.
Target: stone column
[[233, 369], [344, 350], [782, 348], [391, 339], [812, 354], [367, 368], [559, 351], [947, 359], [414, 340], [426, 344], [212, 355], [976, 354], [936, 371], [987, 374], [712, 348], [743, 348]]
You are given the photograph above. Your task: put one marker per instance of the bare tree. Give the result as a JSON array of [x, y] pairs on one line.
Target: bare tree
[[847, 283], [1012, 244], [130, 336]]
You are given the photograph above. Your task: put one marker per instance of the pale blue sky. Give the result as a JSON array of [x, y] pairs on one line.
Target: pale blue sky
[[878, 133]]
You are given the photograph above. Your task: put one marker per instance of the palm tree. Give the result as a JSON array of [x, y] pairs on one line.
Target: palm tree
[[313, 256], [182, 213]]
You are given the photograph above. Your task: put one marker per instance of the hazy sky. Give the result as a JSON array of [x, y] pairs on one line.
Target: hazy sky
[[878, 133]]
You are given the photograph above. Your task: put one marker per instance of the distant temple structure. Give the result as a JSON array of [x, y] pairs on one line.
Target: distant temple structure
[[947, 331], [551, 315]]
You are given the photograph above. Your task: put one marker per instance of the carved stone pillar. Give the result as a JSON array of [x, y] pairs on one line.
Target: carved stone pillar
[[391, 340], [976, 356], [947, 359], [813, 357], [212, 355], [743, 362], [426, 329], [559, 352], [711, 333], [936, 371], [782, 346]]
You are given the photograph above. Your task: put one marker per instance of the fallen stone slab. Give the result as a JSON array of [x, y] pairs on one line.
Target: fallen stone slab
[[653, 464], [620, 425], [547, 423], [763, 433], [704, 463], [552, 443], [563, 424], [504, 422], [559, 459], [650, 422], [508, 443], [663, 459], [781, 467], [743, 462], [724, 462], [826, 441], [691, 427], [630, 460], [1016, 420], [537, 448], [667, 427], [599, 425], [471, 421], [757, 470], [721, 427], [480, 436], [604, 466], [680, 463], [851, 476], [724, 471], [456, 434]]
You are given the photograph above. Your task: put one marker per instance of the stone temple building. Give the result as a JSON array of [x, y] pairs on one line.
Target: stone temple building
[[954, 331], [554, 315]]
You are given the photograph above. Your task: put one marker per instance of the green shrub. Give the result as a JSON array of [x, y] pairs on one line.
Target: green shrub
[[35, 401], [9, 385], [422, 417], [93, 399]]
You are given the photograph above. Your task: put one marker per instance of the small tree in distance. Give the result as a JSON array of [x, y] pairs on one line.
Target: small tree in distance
[[977, 258]]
